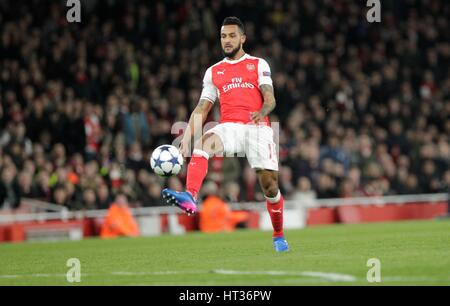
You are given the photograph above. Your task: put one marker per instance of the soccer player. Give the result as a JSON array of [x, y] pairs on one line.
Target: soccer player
[[243, 86]]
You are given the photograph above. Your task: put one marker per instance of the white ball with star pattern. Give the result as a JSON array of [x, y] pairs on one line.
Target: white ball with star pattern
[[166, 161]]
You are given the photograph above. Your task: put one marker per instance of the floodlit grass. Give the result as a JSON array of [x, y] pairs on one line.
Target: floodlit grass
[[411, 253]]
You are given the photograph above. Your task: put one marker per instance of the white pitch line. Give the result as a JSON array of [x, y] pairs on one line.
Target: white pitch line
[[334, 277], [35, 275], [124, 273], [9, 276]]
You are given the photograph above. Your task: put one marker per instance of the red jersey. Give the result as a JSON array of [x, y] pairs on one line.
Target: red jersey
[[236, 84]]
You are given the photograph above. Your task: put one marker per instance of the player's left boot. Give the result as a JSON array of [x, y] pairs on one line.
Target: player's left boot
[[280, 244], [183, 200]]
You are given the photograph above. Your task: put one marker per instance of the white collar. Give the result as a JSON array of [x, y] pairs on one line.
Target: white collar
[[245, 56]]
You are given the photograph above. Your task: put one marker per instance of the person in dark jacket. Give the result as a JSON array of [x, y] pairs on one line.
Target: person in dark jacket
[[9, 190]]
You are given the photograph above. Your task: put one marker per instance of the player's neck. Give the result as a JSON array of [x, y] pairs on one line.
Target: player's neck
[[238, 56]]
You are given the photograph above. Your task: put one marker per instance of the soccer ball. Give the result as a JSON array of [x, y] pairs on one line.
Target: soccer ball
[[166, 161]]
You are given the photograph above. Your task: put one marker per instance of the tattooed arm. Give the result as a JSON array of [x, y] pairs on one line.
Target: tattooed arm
[[268, 106]]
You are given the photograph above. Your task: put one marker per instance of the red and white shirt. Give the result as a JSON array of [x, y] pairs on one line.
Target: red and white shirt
[[236, 84], [93, 132]]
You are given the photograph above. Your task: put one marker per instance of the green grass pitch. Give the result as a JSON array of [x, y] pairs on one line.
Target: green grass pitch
[[411, 253]]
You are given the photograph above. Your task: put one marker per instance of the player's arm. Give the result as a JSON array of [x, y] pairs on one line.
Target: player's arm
[[269, 100], [195, 125], [267, 92]]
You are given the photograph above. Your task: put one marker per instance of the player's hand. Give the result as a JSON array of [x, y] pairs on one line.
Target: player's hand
[[256, 117], [184, 147]]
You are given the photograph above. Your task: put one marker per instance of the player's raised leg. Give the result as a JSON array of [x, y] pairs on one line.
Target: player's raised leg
[[209, 145], [268, 181], [199, 162]]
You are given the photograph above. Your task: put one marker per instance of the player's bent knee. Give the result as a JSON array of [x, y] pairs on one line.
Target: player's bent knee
[[270, 188], [272, 191], [210, 143], [269, 182]]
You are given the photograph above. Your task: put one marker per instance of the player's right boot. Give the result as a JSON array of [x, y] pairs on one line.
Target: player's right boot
[[280, 244], [183, 200]]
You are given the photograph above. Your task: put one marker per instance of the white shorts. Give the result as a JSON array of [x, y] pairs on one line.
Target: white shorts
[[252, 141]]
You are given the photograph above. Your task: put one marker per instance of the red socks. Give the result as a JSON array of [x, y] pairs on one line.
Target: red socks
[[196, 173], [275, 209]]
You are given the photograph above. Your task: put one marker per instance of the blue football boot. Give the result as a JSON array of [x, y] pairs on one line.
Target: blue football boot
[[183, 200], [280, 244]]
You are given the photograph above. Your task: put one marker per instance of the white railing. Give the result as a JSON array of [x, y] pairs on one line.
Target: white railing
[[39, 206], [64, 214]]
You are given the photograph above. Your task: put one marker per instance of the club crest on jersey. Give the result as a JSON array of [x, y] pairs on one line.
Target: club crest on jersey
[[250, 67]]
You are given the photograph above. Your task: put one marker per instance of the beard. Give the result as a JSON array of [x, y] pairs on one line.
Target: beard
[[231, 53]]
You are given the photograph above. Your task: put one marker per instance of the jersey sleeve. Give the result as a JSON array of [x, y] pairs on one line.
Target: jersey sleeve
[[264, 73], [209, 91]]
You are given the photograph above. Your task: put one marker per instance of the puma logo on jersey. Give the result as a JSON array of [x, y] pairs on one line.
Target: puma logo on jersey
[[221, 72]]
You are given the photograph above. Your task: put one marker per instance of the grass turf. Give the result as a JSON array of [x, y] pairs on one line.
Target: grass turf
[[411, 253]]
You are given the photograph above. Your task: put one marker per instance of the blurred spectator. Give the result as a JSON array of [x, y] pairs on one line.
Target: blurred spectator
[[135, 125], [215, 214], [252, 191], [119, 221], [304, 194], [446, 188], [9, 189], [429, 178], [231, 170], [175, 184], [89, 199], [232, 192], [104, 198], [326, 187], [25, 183], [135, 160], [152, 197], [285, 181], [60, 197]]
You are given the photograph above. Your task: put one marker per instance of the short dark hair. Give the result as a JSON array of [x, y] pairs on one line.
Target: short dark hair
[[234, 21]]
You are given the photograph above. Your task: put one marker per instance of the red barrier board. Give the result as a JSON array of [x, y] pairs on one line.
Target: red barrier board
[[390, 212]]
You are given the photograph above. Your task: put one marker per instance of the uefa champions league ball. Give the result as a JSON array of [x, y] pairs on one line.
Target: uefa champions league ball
[[166, 161]]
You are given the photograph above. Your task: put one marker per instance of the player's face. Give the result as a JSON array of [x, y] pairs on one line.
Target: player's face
[[232, 40]]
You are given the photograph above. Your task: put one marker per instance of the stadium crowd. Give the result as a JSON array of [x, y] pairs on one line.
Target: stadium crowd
[[364, 108]]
